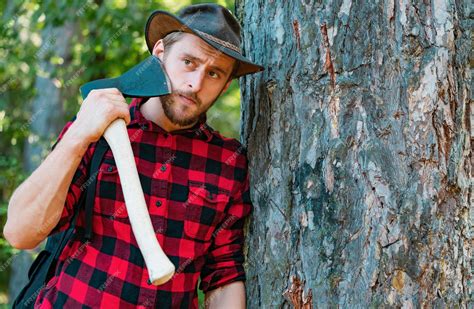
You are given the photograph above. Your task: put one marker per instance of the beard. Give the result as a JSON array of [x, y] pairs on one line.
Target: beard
[[179, 114]]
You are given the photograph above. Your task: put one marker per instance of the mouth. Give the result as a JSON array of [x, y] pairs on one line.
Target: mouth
[[187, 100]]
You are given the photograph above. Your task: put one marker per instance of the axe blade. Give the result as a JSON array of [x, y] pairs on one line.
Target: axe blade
[[146, 79]]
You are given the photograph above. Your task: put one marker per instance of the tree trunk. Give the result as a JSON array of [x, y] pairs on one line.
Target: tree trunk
[[47, 115], [46, 119], [359, 140]]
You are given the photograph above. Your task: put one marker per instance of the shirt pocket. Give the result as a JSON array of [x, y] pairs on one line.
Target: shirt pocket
[[204, 211], [109, 201]]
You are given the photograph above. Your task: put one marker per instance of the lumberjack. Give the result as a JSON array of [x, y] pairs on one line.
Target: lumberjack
[[195, 181]]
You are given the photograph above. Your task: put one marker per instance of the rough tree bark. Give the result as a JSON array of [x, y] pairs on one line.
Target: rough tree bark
[[359, 140]]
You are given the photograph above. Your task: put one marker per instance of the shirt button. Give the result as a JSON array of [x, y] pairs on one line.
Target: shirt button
[[110, 168], [158, 203], [144, 126], [163, 168]]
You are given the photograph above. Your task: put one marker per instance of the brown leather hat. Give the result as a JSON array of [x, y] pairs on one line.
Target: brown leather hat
[[211, 22]]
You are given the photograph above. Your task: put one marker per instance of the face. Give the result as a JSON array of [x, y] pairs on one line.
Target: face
[[198, 74]]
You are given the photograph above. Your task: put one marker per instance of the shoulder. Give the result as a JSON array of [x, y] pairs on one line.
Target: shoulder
[[228, 143], [233, 155]]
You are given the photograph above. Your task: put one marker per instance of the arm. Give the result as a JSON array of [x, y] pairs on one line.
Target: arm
[[230, 296], [36, 205], [223, 275]]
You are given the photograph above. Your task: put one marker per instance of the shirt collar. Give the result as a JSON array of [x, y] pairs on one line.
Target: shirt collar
[[200, 129]]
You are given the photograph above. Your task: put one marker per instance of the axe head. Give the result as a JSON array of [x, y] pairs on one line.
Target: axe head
[[146, 79]]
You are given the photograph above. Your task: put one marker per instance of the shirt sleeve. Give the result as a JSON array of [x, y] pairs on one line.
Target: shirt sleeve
[[76, 189], [224, 262]]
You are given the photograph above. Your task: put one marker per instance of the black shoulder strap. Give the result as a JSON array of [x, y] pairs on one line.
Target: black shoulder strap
[[56, 242], [66, 236], [99, 152], [86, 200]]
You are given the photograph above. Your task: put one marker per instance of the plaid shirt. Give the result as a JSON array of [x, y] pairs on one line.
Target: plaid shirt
[[196, 186]]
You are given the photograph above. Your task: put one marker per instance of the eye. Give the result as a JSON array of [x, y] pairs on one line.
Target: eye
[[213, 74], [187, 61]]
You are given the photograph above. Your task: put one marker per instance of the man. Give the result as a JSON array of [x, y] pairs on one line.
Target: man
[[195, 181]]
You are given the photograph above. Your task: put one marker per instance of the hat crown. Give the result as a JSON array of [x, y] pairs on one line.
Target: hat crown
[[212, 19]]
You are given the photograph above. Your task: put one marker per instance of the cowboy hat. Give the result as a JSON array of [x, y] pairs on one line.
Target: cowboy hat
[[211, 22]]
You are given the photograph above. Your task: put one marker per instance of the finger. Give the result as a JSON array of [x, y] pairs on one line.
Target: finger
[[115, 97], [121, 111], [127, 117], [109, 90], [115, 94], [119, 104]]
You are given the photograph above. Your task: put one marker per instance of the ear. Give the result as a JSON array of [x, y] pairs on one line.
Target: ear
[[158, 49]]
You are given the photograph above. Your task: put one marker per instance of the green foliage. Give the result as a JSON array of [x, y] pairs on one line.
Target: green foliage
[[108, 39]]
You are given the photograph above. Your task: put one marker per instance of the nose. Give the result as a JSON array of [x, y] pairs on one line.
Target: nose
[[195, 81]]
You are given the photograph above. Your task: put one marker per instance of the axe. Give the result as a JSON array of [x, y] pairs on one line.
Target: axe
[[146, 79]]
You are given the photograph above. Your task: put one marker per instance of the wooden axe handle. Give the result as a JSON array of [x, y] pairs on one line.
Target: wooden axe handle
[[159, 266]]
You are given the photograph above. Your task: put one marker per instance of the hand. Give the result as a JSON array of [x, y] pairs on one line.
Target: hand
[[98, 110]]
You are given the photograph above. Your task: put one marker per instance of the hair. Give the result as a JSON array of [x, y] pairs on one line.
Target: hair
[[171, 38]]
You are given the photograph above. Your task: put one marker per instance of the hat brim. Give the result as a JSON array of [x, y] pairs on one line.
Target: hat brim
[[161, 23]]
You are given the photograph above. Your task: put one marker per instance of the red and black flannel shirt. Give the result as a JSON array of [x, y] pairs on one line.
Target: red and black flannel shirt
[[196, 187]]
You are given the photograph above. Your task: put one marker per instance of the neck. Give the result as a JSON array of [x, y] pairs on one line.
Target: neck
[[152, 110]]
